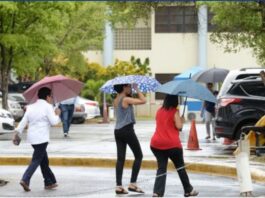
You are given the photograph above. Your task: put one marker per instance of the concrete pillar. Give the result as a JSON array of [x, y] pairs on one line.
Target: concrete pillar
[[202, 36], [107, 60], [108, 45]]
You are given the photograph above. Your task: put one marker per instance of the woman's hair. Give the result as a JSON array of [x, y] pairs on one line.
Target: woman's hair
[[170, 101], [44, 92], [119, 88]]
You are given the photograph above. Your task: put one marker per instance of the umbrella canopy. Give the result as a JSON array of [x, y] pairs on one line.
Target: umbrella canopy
[[145, 83], [187, 88], [61, 86], [212, 75], [188, 73]]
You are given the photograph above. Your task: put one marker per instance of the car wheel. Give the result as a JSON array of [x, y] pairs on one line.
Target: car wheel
[[78, 120], [238, 132]]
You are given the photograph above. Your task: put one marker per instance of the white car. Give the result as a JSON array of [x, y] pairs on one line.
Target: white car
[[6, 122], [15, 109], [91, 107]]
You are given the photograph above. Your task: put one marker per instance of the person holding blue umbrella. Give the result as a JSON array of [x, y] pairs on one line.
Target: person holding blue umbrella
[[166, 144], [125, 135]]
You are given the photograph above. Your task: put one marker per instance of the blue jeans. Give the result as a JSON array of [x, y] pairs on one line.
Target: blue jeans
[[67, 112], [40, 158]]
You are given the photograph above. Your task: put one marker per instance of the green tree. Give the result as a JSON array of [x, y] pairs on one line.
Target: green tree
[[82, 30], [240, 25], [26, 31], [142, 68], [91, 89]]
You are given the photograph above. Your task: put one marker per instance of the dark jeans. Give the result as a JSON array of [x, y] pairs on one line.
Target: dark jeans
[[40, 157], [176, 156], [124, 136], [67, 112]]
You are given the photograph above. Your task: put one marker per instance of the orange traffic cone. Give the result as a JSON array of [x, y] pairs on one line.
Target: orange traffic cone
[[227, 141], [193, 143]]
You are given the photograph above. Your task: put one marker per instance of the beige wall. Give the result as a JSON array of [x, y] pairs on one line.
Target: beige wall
[[176, 52]]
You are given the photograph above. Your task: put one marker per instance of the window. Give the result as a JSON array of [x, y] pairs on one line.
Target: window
[[133, 39], [237, 90], [178, 19], [254, 88], [163, 78]]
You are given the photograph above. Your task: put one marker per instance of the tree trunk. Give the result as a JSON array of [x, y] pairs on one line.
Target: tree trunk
[[262, 6], [4, 77], [4, 87]]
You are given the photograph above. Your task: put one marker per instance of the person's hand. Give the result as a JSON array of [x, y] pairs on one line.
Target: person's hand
[[182, 118], [57, 111], [135, 87], [16, 139]]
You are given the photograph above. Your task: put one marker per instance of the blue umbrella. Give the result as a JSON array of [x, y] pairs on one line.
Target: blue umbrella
[[145, 83], [189, 73], [187, 88]]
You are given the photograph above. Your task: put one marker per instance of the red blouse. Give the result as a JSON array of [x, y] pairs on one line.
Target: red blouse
[[166, 135]]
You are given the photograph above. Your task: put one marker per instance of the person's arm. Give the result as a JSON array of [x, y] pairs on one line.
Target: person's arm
[[53, 115], [178, 121], [22, 124], [202, 109], [134, 101]]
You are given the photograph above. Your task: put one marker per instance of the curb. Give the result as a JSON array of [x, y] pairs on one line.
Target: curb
[[212, 169]]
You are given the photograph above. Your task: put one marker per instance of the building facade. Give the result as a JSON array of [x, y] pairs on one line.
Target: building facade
[[172, 40]]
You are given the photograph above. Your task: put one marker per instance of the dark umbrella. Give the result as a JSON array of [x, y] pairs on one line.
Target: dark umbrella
[[212, 75]]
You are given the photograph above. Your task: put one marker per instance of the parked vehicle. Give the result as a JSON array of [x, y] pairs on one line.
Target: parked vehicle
[[6, 122], [79, 115], [241, 103], [236, 75], [91, 107], [20, 87], [18, 97], [15, 109]]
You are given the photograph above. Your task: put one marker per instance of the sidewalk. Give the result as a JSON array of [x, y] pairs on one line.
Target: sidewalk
[[94, 145]]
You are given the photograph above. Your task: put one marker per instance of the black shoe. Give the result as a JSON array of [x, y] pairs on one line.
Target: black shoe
[[65, 134]]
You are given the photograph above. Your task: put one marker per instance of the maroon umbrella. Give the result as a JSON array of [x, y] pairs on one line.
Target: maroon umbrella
[[61, 86]]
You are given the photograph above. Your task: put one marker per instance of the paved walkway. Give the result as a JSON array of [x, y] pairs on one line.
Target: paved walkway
[[97, 141], [99, 182]]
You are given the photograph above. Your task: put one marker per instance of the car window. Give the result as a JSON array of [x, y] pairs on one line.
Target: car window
[[241, 76], [16, 98], [236, 89], [255, 88]]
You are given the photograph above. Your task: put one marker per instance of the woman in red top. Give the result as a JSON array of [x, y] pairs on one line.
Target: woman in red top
[[165, 144]]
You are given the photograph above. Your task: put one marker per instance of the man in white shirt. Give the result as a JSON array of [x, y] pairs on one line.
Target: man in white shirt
[[67, 108], [39, 117]]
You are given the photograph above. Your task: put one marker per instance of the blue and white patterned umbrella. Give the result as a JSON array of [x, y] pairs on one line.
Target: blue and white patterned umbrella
[[145, 83]]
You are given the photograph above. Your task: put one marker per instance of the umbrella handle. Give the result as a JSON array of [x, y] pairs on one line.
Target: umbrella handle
[[185, 104]]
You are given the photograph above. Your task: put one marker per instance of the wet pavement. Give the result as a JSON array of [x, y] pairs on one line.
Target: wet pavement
[[99, 182], [97, 140]]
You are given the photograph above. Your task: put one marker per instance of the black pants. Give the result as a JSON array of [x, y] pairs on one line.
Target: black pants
[[176, 156], [124, 136], [40, 157]]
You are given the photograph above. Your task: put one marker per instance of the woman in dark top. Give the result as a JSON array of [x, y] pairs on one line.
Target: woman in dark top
[[166, 144], [125, 135]]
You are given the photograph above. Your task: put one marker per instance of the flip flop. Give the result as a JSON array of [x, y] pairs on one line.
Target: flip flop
[[135, 189], [121, 191]]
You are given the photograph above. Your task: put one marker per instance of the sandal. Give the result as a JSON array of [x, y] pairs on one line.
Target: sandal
[[155, 195], [120, 190], [193, 193], [134, 188]]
